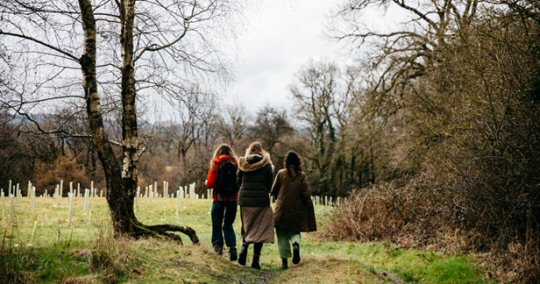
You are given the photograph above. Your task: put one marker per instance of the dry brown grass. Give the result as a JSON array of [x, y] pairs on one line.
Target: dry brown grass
[[410, 215], [390, 211], [112, 258]]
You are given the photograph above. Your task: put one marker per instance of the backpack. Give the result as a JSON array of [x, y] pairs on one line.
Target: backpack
[[226, 180]]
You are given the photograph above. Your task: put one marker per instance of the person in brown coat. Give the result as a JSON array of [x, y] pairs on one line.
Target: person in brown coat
[[255, 176], [294, 212]]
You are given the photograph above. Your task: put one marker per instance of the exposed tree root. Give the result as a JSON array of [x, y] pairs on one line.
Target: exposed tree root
[[166, 228], [164, 231]]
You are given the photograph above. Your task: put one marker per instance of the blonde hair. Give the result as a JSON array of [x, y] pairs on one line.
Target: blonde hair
[[255, 148], [223, 149]]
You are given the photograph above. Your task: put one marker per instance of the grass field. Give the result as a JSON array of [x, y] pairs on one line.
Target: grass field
[[42, 247]]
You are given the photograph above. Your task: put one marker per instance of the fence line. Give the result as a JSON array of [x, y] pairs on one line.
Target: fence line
[[12, 198], [150, 191]]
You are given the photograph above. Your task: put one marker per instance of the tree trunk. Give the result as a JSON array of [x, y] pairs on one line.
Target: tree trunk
[[121, 202], [121, 179], [183, 152]]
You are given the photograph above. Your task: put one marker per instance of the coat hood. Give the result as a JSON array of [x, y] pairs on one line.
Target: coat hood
[[223, 158], [254, 162]]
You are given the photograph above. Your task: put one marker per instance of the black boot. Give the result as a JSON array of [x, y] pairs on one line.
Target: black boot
[[296, 253], [284, 263], [218, 249], [255, 263], [243, 254], [233, 254], [257, 248]]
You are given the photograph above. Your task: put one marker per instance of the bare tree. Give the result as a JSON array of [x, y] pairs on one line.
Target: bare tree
[[321, 97], [410, 51], [196, 113], [273, 129], [271, 126], [234, 127], [451, 101], [161, 40]]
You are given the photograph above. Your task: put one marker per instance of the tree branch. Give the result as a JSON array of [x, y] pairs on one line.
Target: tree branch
[[57, 49]]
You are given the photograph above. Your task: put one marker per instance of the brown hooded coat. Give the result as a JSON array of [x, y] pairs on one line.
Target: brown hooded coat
[[294, 210]]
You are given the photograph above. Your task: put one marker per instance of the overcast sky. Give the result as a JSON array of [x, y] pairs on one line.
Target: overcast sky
[[275, 40], [278, 38]]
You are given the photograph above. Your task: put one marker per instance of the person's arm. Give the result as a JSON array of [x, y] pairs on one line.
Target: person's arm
[[310, 224], [276, 186], [212, 176], [240, 178], [269, 177], [304, 190]]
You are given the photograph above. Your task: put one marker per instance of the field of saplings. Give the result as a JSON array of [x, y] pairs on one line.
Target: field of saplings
[[69, 239]]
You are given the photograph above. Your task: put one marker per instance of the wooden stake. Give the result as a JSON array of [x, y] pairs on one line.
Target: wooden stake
[[28, 189], [18, 190], [70, 210], [192, 191], [86, 193], [186, 195], [177, 204], [12, 208], [165, 190], [33, 199]]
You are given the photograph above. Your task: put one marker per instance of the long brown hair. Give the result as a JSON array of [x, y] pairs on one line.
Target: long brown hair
[[292, 163], [223, 149], [255, 148]]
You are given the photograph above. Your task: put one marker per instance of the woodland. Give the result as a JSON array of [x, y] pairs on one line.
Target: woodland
[[432, 137]]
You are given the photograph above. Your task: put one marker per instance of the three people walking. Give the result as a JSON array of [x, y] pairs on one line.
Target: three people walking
[[251, 189]]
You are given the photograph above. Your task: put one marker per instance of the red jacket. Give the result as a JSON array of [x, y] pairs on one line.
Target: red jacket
[[213, 175]]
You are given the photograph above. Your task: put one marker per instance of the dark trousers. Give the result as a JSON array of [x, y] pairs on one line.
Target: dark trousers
[[223, 215]]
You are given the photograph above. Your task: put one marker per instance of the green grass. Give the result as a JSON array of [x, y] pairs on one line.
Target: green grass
[[83, 252]]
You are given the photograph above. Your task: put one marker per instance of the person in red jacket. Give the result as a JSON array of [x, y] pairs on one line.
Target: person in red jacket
[[222, 178]]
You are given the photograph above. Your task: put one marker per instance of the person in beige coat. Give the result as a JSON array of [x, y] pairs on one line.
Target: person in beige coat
[[294, 212]]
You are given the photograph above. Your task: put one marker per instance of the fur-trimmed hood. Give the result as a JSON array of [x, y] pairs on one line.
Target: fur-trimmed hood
[[254, 162]]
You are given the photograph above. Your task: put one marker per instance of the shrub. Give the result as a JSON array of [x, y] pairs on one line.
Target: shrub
[[397, 212], [48, 175]]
